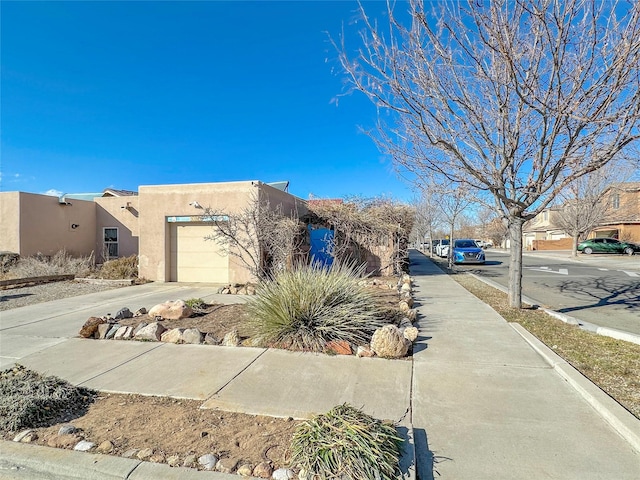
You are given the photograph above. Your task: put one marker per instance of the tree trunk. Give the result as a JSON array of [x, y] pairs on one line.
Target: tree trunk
[[515, 262], [574, 246], [450, 252]]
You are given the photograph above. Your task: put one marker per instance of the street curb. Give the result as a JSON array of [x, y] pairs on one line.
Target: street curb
[[20, 461], [590, 327], [620, 419]]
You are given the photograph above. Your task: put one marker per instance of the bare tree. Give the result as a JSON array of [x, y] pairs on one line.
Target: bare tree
[[515, 98], [427, 212], [584, 204], [452, 200], [261, 237]]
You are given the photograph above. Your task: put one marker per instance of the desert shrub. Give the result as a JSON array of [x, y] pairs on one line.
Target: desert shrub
[[61, 263], [346, 443], [197, 305], [28, 399], [308, 306], [120, 268]]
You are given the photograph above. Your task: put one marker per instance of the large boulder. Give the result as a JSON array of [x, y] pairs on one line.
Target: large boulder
[[152, 332], [389, 342], [90, 327], [171, 310]]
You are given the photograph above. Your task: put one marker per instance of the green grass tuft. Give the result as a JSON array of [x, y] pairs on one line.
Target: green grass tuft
[[346, 443], [309, 306]]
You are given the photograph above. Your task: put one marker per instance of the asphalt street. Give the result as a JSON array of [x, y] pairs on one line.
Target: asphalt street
[[603, 290]]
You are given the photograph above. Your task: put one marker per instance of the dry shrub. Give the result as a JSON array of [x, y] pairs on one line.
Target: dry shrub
[[61, 263], [120, 268], [28, 399]]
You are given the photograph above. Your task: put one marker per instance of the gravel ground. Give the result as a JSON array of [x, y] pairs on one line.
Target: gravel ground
[[19, 297]]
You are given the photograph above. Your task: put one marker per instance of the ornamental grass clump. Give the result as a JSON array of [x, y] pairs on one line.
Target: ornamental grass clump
[[346, 443], [28, 399], [310, 305]]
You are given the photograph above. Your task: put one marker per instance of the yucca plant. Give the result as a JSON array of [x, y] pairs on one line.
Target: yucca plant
[[346, 443], [310, 305]]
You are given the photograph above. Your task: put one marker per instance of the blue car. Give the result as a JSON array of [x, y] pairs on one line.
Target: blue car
[[467, 251]]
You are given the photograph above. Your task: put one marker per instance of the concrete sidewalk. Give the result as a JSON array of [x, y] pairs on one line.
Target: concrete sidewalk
[[487, 404], [249, 380], [482, 400]]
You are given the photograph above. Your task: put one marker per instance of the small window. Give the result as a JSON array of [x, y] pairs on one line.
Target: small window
[[110, 241], [615, 201]]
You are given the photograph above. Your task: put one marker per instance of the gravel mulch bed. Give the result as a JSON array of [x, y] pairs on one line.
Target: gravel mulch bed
[[22, 296]]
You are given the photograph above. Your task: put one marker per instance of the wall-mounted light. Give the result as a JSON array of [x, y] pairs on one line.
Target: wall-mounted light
[[127, 206], [195, 204], [74, 226]]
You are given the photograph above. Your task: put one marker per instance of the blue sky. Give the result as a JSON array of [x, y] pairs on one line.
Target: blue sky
[[122, 94]]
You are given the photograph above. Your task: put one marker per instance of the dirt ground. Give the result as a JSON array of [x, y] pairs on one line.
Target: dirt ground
[[176, 430]]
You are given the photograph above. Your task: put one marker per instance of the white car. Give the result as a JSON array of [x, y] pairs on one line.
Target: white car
[[442, 249]]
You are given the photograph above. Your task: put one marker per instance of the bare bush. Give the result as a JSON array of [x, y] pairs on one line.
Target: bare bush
[[61, 263]]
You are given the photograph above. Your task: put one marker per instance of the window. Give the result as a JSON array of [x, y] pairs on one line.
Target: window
[[110, 241], [615, 201]]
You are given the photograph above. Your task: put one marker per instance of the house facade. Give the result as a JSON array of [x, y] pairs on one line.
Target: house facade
[[165, 225], [622, 221]]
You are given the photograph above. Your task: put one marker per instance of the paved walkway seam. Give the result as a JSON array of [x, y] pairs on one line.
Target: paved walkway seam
[[121, 364], [618, 417], [234, 377]]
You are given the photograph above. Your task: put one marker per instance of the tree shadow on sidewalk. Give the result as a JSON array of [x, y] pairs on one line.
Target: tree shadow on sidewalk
[[426, 460]]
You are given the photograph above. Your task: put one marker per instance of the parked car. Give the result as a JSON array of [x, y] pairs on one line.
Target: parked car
[[465, 250], [608, 245], [442, 247], [483, 244]]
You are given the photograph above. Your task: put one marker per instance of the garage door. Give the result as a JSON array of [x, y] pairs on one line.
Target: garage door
[[194, 259]]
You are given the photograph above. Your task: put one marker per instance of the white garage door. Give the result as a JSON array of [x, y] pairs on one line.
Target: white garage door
[[194, 259]]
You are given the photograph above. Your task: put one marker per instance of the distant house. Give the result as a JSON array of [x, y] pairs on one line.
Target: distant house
[[622, 221], [163, 224]]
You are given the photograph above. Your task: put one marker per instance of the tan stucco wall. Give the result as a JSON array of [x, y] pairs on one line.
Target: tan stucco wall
[[10, 221], [45, 225], [109, 213], [158, 202]]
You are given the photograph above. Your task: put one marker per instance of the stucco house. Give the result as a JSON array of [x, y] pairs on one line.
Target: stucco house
[[163, 224], [622, 220]]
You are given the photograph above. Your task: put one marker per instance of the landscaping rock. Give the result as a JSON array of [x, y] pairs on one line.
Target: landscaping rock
[[226, 465], [283, 474], [157, 458], [172, 336], [103, 329], [231, 339], [26, 436], [364, 352], [339, 347], [123, 333], [84, 446], [406, 287], [404, 306], [208, 461], [105, 447], [90, 327], [152, 332], [112, 331], [63, 441], [191, 461], [410, 333], [144, 454], [412, 314], [140, 326], [171, 310], [263, 470], [132, 452], [173, 460], [192, 336], [67, 430], [123, 313], [140, 312], [388, 342], [210, 339], [245, 470]]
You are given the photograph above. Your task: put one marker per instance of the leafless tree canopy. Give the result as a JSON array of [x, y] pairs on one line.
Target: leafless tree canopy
[[516, 98]]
